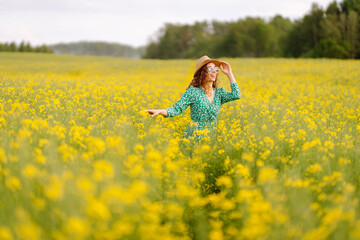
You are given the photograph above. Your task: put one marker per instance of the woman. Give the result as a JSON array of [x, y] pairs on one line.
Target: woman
[[203, 96]]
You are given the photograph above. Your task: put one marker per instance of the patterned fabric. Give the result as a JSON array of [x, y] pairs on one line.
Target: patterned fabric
[[203, 114]]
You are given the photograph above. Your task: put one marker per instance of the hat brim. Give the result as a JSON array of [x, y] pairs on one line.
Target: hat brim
[[216, 62]]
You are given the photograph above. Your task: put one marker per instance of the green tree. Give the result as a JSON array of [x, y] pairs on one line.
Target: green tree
[[202, 40], [330, 48], [306, 33], [246, 38], [351, 25], [331, 28], [333, 9], [352, 33], [13, 47], [281, 29], [43, 49], [261, 34], [173, 42], [348, 5], [28, 47], [21, 47]]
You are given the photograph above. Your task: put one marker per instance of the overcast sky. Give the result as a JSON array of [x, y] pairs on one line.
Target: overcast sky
[[130, 22]]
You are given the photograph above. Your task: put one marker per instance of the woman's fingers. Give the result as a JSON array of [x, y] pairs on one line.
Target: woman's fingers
[[225, 67], [153, 113], [224, 64]]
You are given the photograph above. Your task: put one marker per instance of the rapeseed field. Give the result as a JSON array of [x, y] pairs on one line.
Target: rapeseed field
[[81, 159]]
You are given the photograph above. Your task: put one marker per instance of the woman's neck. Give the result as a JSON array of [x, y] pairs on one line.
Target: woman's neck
[[207, 86]]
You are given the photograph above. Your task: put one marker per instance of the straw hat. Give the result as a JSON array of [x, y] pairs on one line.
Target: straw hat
[[205, 60]]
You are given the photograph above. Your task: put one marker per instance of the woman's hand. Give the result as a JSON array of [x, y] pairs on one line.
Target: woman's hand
[[225, 68], [154, 112]]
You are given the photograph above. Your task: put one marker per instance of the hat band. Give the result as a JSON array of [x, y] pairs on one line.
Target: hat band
[[206, 60]]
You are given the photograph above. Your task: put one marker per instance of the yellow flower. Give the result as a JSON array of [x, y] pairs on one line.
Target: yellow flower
[[67, 152], [259, 162], [38, 203], [121, 228], [343, 161], [216, 235], [314, 168], [281, 135], [13, 183], [95, 145], [355, 232], [2, 122], [54, 190], [3, 158], [225, 181], [329, 145], [204, 149], [247, 157], [77, 227], [58, 131], [78, 134], [114, 141], [85, 185], [267, 174], [242, 170], [97, 209], [269, 143], [185, 191], [221, 151], [30, 171], [298, 183], [138, 148], [39, 157], [5, 233], [154, 156], [103, 170], [227, 205], [28, 230]]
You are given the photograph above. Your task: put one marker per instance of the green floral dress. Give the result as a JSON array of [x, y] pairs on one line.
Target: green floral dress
[[203, 113]]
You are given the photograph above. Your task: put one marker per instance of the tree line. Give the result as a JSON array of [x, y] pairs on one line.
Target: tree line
[[333, 32], [97, 49], [23, 47]]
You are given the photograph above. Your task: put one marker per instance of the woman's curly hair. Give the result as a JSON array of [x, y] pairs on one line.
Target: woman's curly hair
[[199, 78]]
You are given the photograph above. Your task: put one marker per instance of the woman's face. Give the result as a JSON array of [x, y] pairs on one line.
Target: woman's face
[[211, 76]]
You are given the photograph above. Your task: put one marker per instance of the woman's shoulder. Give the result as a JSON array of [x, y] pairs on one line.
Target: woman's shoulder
[[192, 88], [198, 88]]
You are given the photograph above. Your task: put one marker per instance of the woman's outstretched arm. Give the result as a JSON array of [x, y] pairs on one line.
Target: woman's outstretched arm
[[178, 108]]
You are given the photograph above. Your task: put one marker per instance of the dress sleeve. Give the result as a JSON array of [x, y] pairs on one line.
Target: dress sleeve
[[181, 105], [227, 96]]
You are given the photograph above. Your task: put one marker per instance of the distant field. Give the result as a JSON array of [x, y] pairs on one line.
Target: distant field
[[80, 159]]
